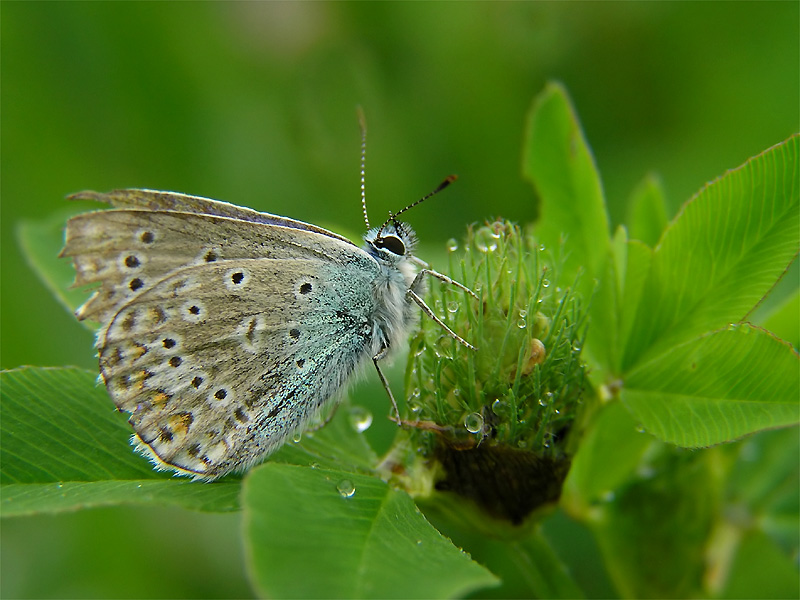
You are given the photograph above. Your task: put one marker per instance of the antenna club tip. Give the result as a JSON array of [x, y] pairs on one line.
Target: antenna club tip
[[451, 178]]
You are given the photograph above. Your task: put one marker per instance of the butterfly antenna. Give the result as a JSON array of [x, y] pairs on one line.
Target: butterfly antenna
[[362, 122], [393, 216]]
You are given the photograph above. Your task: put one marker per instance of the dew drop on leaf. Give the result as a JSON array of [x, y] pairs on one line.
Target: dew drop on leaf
[[360, 418], [346, 488]]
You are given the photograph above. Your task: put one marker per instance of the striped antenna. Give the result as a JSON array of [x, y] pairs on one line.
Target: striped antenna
[[362, 122], [393, 216]]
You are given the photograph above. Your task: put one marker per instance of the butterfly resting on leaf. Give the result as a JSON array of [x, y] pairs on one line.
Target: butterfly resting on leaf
[[225, 330]]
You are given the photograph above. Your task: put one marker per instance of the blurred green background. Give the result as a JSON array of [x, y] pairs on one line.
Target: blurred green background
[[254, 103]]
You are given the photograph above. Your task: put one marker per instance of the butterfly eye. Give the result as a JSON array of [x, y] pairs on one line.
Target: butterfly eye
[[392, 243]]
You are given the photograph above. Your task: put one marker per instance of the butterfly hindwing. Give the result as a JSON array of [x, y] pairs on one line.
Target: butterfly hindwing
[[219, 363]]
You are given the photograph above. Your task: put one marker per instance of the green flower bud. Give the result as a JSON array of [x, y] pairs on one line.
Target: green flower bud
[[492, 425]]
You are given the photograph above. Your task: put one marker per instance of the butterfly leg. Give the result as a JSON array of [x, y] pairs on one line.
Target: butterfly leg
[[412, 293], [324, 421], [385, 383], [426, 270]]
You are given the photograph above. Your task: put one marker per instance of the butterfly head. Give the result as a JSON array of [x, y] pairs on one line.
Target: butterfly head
[[392, 243]]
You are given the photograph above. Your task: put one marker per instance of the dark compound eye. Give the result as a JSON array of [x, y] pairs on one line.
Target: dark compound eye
[[392, 243]]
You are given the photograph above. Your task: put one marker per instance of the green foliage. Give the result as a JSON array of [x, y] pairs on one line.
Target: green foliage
[[673, 363], [361, 527]]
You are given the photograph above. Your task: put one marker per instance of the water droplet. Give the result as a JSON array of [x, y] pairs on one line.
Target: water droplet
[[419, 542], [59, 485], [640, 428], [474, 422], [452, 245], [500, 408], [542, 248], [557, 411], [522, 323], [360, 418], [452, 306], [542, 401], [444, 347], [646, 472], [523, 313], [413, 401], [298, 435], [576, 346], [346, 488], [456, 392], [485, 240], [607, 496], [545, 283]]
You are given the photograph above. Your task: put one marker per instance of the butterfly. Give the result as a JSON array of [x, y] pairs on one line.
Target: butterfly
[[223, 330]]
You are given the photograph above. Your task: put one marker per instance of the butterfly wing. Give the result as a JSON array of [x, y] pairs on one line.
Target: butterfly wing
[[221, 336], [152, 200], [219, 363], [129, 249]]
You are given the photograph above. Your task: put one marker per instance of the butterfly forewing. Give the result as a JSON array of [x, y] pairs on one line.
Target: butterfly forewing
[[128, 251], [153, 200]]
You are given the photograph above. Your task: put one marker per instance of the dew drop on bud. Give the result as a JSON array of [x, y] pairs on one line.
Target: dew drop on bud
[[452, 245], [500, 408], [474, 422], [485, 240]]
